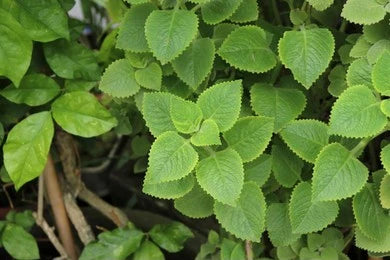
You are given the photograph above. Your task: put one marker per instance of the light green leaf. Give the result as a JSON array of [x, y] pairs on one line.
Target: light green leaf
[[27, 146], [149, 77], [337, 174], [195, 204], [79, 85], [185, 115], [385, 107], [320, 5], [248, 11], [337, 78], [170, 158], [16, 48], [119, 79], [385, 157], [247, 48], [221, 31], [377, 246], [376, 32], [307, 215], [148, 251], [170, 237], [384, 192], [71, 60], [250, 136], [279, 225], [306, 138], [356, 113], [221, 103], [196, 62], [376, 50], [359, 73], [222, 176], [34, 90], [139, 60], [356, 11], [208, 134], [131, 35], [307, 53], [283, 104], [369, 215], [215, 11], [246, 220], [80, 113], [258, 170], [381, 74], [170, 32], [360, 49], [19, 243], [171, 189], [137, 2]]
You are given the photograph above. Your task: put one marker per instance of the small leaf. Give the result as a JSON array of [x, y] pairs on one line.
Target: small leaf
[[185, 115], [320, 5], [384, 192], [215, 11], [208, 134], [27, 146], [258, 170], [337, 174], [170, 158], [246, 220], [307, 53], [385, 157], [307, 215], [148, 251], [356, 11], [170, 237], [149, 77], [337, 78], [80, 113], [381, 74], [222, 175], [247, 48], [359, 73], [248, 11], [19, 243], [385, 107], [171, 189]]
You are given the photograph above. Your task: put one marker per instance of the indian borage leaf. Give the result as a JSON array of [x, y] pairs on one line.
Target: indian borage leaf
[[208, 134], [337, 174], [381, 74], [356, 113], [27, 146], [171, 189], [359, 73], [283, 104], [222, 176], [307, 53], [150, 77], [250, 136], [385, 107], [81, 114], [222, 103], [258, 170], [376, 50], [196, 62], [306, 138], [221, 31], [356, 11], [186, 115], [309, 216], [169, 32], [171, 158], [247, 48], [320, 5], [372, 245], [248, 11], [215, 11], [384, 192], [385, 157], [246, 220]]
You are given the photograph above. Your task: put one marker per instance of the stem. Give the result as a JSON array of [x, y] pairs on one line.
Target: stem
[[248, 250], [361, 145], [195, 8], [209, 150], [276, 12]]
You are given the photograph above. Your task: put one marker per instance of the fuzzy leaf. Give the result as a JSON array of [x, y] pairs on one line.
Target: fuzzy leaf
[[170, 189], [385, 107], [149, 77], [320, 5], [381, 74], [385, 157], [359, 73], [258, 170], [248, 11], [185, 115], [208, 134], [356, 11], [372, 245], [384, 192], [215, 11]]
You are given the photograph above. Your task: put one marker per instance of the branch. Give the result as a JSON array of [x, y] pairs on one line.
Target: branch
[[248, 250]]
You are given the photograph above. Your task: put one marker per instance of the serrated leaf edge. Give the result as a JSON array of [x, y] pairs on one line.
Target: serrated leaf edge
[[227, 18]]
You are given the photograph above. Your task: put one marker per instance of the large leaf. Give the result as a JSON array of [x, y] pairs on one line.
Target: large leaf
[[19, 243], [215, 11], [80, 113], [222, 176], [377, 246], [171, 189], [337, 174], [356, 11], [246, 220], [381, 74], [27, 146], [170, 237], [16, 48], [169, 32], [307, 53]]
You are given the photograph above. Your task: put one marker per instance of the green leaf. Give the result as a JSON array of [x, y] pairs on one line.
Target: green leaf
[[385, 157], [185, 115], [246, 220], [337, 78], [215, 11], [71, 60], [381, 74], [208, 134], [148, 251], [248, 11], [149, 77], [195, 204], [171, 189], [320, 5], [247, 48], [170, 237], [27, 146], [24, 219], [378, 246], [19, 243], [307, 215], [356, 113], [384, 192], [359, 73], [117, 244], [139, 60], [369, 215], [43, 20], [306, 138], [250, 136], [170, 32], [279, 225], [119, 79], [376, 32], [337, 174], [79, 85], [221, 103], [16, 48], [221, 31], [131, 35], [385, 107], [34, 90], [258, 170], [360, 49], [356, 11], [81, 114], [170, 158], [222, 176], [307, 53], [283, 104], [196, 62]]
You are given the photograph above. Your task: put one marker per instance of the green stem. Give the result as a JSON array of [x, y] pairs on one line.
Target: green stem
[[361, 145], [276, 12], [348, 239], [209, 150], [304, 6], [195, 8]]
